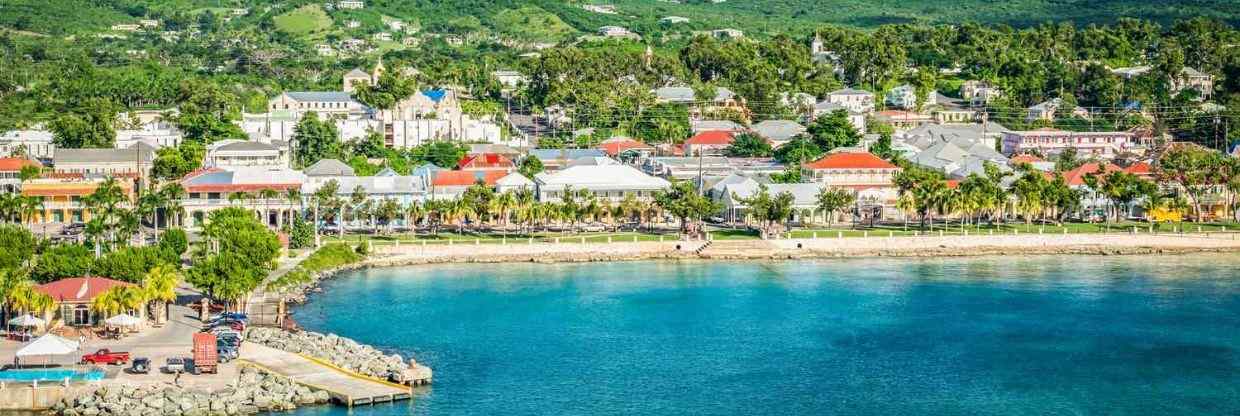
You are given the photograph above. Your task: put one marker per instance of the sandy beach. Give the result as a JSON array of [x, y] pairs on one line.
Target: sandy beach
[[823, 247]]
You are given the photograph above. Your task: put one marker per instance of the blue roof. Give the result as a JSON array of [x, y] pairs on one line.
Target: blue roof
[[213, 178], [435, 95], [426, 170]]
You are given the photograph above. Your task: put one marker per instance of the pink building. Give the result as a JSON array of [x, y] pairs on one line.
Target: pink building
[[1049, 141]]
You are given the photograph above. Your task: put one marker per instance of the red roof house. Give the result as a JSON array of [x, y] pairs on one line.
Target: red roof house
[[617, 145], [74, 296], [853, 169], [78, 289], [15, 164], [486, 161], [709, 142], [1076, 177], [850, 160]]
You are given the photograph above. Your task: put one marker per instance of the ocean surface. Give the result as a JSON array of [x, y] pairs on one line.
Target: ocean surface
[[1057, 335]]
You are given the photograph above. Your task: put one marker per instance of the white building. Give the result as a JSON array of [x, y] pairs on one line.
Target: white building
[[155, 135], [240, 153], [855, 100], [326, 104], [612, 182], [34, 143], [351, 4]]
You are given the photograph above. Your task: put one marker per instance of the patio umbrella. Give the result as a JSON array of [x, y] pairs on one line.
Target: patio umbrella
[[123, 319], [26, 320]]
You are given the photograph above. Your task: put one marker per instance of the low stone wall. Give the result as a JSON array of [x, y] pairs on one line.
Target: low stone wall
[[344, 353], [253, 392]]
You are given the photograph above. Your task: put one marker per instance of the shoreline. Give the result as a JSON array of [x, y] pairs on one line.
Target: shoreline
[[793, 249], [786, 249]]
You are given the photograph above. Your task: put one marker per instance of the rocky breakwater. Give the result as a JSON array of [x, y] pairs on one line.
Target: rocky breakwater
[[251, 393], [344, 353]]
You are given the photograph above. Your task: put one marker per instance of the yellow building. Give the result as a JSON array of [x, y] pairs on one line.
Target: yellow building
[[62, 197]]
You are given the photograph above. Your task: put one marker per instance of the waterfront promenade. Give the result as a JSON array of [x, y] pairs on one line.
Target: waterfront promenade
[[825, 245]]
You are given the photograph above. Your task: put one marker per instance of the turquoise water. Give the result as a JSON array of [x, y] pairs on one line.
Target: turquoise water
[[985, 336], [50, 374]]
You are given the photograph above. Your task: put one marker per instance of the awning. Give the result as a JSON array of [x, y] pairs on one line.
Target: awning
[[48, 344]]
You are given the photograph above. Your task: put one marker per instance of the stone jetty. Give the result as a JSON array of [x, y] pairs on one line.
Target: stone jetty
[[252, 392], [344, 353]]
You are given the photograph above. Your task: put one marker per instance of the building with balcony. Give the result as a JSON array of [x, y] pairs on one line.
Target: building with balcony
[[1050, 141], [61, 197]]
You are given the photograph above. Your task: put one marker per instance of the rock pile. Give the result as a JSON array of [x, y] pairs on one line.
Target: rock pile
[[253, 392], [344, 353]]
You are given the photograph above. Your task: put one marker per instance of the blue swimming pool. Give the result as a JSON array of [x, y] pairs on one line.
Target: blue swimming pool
[[50, 374]]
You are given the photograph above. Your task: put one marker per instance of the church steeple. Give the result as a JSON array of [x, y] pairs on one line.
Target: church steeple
[[378, 71]]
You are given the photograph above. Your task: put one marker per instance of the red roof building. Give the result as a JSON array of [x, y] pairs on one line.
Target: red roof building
[[15, 164], [617, 145], [78, 289], [1141, 169], [1076, 177], [853, 169], [486, 161], [709, 142], [74, 296]]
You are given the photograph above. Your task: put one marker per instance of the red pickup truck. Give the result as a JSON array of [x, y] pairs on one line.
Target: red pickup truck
[[106, 356]]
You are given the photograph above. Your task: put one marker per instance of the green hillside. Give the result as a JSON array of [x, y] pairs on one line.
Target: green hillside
[[542, 20]]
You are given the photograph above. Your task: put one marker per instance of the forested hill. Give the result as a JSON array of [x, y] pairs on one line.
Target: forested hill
[[553, 19]]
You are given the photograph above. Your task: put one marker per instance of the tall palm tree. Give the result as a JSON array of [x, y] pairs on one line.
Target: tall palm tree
[[173, 194], [388, 211], [504, 204], [159, 287], [293, 196]]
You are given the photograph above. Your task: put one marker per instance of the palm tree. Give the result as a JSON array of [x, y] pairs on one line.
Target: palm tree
[[414, 213], [28, 206], [357, 198], [23, 297], [148, 207], [173, 194], [159, 287], [118, 299], [293, 196], [504, 203]]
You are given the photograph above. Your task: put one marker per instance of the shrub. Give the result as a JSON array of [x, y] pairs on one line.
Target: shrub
[[16, 244], [70, 260], [175, 241], [301, 235]]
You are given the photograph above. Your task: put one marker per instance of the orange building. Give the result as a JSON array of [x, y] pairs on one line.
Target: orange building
[[62, 197]]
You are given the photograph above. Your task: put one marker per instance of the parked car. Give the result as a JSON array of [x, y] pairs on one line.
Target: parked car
[[174, 365], [140, 366], [106, 356], [227, 353]]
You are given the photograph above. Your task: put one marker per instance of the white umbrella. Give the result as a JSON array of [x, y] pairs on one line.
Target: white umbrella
[[48, 344], [123, 319], [26, 320]]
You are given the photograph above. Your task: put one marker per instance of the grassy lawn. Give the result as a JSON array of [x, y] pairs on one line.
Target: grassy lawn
[[452, 237], [304, 20]]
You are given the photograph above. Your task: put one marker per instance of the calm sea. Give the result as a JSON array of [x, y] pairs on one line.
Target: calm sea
[[983, 336]]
